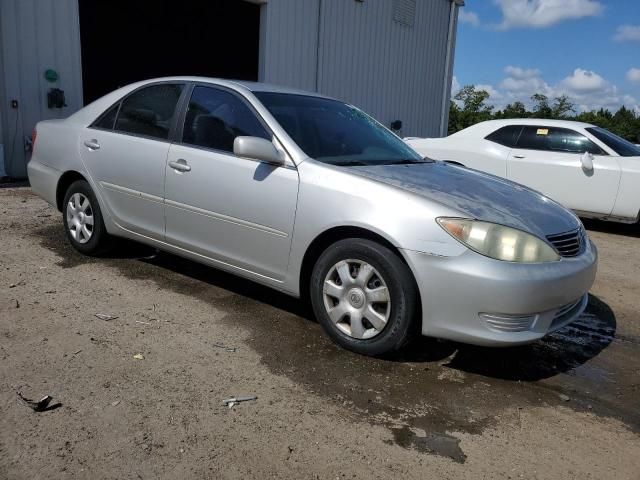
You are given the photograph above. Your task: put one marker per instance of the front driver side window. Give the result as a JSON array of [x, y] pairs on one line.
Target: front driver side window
[[149, 111], [216, 117], [556, 139]]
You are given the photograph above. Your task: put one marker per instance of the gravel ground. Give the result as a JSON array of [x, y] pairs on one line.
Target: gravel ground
[[565, 407]]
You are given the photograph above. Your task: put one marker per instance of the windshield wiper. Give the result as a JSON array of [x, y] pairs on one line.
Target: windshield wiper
[[352, 163], [407, 161]]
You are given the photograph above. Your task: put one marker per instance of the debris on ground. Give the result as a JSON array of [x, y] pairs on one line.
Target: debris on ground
[[224, 347], [564, 398], [77, 352], [116, 403], [138, 356], [105, 317], [39, 406], [14, 285], [230, 402]]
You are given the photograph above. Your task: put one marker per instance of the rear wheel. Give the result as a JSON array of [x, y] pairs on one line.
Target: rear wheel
[[364, 296], [82, 219]]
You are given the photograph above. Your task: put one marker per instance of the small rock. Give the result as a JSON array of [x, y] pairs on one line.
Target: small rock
[[564, 398], [138, 356], [116, 403]]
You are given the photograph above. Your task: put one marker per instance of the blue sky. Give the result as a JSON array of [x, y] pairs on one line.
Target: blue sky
[[587, 49]]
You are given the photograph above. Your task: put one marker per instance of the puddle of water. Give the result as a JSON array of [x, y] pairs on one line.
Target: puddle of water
[[434, 387], [439, 444]]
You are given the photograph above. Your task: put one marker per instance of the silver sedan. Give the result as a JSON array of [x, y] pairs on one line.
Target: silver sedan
[[314, 198]]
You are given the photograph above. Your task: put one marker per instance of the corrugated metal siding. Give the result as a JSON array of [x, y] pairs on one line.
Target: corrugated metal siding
[[36, 35], [365, 55], [393, 71], [289, 43]]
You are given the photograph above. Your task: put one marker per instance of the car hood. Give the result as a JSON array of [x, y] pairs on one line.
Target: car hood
[[477, 195]]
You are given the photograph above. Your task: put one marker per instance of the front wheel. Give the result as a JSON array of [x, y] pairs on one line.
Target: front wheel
[[83, 222], [364, 296]]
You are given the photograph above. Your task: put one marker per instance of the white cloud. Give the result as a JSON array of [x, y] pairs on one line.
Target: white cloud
[[471, 18], [584, 81], [586, 89], [455, 85], [627, 33], [521, 73], [544, 13], [494, 95], [633, 75]]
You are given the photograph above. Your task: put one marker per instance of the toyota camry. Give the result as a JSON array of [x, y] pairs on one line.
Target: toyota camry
[[314, 198]]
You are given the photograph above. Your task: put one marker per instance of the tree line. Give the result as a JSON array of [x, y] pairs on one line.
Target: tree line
[[471, 107]]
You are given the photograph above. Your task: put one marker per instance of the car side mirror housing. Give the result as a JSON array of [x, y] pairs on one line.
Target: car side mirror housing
[[587, 161], [257, 148]]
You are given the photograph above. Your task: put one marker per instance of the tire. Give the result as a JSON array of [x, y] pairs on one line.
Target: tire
[[83, 223], [372, 267]]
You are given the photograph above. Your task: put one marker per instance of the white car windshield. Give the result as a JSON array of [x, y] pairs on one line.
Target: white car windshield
[[618, 144], [336, 133]]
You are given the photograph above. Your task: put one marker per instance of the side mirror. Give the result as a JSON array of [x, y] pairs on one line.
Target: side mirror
[[257, 149], [587, 161]]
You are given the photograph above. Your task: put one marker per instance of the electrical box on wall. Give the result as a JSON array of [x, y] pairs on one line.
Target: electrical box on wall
[[55, 98]]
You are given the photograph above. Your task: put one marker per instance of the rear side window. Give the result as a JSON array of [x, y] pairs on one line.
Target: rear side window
[[107, 120], [149, 111], [216, 117], [507, 136], [556, 140]]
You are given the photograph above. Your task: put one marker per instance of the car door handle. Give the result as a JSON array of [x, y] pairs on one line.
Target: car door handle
[[180, 165], [519, 156], [92, 144]]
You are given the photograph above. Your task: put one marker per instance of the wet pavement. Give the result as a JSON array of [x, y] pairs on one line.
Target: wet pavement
[[431, 389]]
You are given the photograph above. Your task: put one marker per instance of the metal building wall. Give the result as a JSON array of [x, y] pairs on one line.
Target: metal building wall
[[36, 35], [356, 51], [350, 49], [289, 43]]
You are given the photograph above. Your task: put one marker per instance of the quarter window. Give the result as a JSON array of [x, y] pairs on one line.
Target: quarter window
[[108, 118], [507, 136], [149, 111], [556, 140], [216, 117]]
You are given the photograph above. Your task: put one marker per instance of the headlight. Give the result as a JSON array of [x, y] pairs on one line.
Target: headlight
[[499, 242]]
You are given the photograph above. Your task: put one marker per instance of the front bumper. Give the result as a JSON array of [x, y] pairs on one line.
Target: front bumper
[[474, 299]]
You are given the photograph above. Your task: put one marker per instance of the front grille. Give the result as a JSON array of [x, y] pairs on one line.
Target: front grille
[[568, 244]]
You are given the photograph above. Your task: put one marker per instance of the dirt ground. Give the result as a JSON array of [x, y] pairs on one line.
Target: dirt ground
[[565, 407]]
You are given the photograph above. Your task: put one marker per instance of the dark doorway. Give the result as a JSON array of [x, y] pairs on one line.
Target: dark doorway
[[124, 41]]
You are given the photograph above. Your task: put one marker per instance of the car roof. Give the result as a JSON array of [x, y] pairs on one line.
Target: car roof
[[246, 84], [536, 121]]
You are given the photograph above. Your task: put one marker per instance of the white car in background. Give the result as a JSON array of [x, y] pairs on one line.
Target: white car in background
[[586, 168]]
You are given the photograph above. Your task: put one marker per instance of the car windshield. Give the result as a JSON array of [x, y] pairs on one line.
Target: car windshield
[[619, 145], [336, 133]]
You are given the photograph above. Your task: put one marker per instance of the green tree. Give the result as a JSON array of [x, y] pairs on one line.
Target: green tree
[[541, 108], [471, 107], [474, 108], [562, 107], [515, 110]]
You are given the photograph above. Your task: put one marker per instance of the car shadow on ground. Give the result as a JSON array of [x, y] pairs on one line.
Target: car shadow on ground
[[627, 229], [559, 352]]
